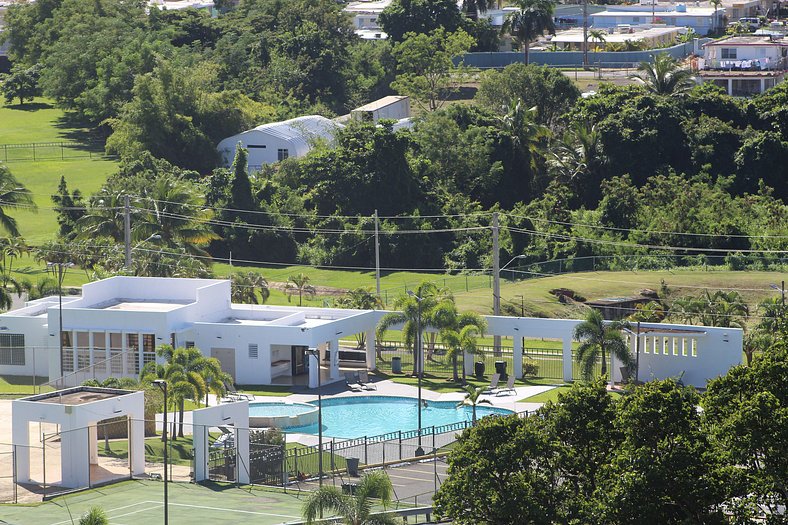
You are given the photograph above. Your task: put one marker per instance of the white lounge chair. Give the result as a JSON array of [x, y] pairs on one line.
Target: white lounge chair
[[352, 382], [493, 383], [509, 388], [366, 384]]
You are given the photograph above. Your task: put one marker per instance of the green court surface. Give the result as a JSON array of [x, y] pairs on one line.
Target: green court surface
[[142, 502]]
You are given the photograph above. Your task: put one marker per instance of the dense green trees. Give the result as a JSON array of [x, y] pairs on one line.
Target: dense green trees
[[21, 83], [650, 457]]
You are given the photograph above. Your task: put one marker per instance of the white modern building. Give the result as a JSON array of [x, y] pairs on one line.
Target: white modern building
[[651, 36], [277, 141], [114, 328], [744, 65]]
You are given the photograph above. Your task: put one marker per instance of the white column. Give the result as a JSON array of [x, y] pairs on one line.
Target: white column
[[20, 436], [137, 442], [730, 86], [74, 457], [265, 364], [468, 359], [517, 356], [614, 372], [242, 454], [762, 85], [334, 365], [567, 354], [314, 369], [200, 440], [371, 345], [93, 443]]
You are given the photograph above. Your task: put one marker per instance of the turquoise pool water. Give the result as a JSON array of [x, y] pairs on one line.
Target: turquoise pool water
[[278, 409], [352, 417]]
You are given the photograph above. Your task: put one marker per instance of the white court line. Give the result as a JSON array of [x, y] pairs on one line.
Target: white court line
[[160, 505], [108, 511], [233, 510]]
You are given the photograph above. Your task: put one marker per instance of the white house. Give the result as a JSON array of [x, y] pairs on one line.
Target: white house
[[744, 65], [277, 141], [700, 19], [114, 328]]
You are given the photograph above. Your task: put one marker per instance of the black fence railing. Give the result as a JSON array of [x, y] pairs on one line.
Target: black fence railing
[[38, 151], [545, 363]]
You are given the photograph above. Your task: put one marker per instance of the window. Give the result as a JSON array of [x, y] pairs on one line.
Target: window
[[728, 52], [148, 348], [99, 352], [189, 344], [132, 354], [116, 353], [83, 350], [252, 351], [635, 19], [12, 349], [67, 357], [282, 154], [255, 146]]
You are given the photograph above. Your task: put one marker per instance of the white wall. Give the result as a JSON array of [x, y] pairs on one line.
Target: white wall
[[744, 52], [259, 156]]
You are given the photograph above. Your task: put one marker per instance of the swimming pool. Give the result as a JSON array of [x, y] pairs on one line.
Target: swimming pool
[[282, 415], [351, 417]]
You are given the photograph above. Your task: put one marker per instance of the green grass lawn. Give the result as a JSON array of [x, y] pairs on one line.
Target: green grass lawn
[[42, 122], [265, 390], [552, 395], [22, 385], [180, 449]]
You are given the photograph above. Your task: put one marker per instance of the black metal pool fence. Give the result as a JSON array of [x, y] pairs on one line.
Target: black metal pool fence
[[547, 363]]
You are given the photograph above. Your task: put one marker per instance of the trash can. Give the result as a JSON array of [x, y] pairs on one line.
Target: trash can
[[500, 368], [352, 466], [478, 369], [396, 365]]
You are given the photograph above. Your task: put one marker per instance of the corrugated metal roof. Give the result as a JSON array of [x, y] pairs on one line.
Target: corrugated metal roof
[[300, 128]]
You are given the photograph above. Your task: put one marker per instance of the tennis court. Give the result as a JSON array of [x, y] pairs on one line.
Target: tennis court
[[134, 502]]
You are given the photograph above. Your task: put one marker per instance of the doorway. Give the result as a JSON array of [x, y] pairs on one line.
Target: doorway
[[226, 357], [298, 360]]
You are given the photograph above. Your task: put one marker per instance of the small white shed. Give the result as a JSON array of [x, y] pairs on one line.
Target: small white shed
[[277, 141], [392, 107]]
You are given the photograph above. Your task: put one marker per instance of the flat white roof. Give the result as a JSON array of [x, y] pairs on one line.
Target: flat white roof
[[695, 11], [381, 103], [140, 306], [576, 35]]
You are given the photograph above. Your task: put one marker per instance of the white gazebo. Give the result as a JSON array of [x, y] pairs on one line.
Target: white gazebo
[[76, 411]]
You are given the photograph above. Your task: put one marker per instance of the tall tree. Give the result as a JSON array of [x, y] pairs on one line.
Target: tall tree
[[69, 208], [532, 19], [298, 284], [361, 299], [597, 339], [426, 68], [21, 83], [419, 16]]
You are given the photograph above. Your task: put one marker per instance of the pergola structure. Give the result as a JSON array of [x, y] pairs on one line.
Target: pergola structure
[[76, 411]]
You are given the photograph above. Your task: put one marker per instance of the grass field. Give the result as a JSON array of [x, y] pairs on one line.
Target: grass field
[[42, 122], [136, 502]]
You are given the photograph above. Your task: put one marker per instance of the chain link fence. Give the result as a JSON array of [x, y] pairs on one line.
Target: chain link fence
[[38, 151]]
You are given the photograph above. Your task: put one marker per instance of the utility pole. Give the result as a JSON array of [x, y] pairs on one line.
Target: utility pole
[[496, 280], [377, 256], [127, 229], [585, 35]]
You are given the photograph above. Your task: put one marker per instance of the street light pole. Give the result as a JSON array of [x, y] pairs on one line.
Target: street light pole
[[419, 362], [61, 272], [130, 249], [163, 385], [316, 353]]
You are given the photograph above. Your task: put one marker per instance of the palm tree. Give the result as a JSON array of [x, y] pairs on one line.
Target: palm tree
[[353, 509], [664, 75], [461, 339], [772, 312], [597, 35], [174, 210], [246, 285], [407, 314], [299, 284], [104, 218], [577, 160], [473, 399], [94, 516], [13, 195], [531, 20], [526, 133], [716, 5], [360, 299], [11, 249], [598, 338]]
